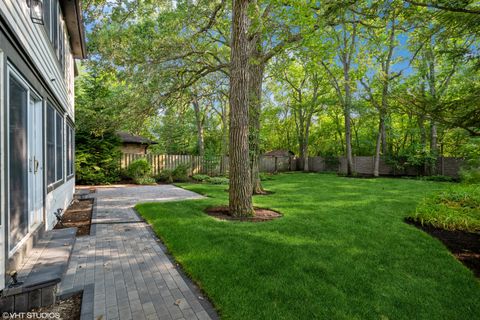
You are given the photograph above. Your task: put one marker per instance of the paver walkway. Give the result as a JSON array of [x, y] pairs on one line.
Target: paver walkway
[[122, 267]]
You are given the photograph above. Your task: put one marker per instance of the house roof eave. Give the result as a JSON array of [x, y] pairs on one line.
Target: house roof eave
[[73, 18]]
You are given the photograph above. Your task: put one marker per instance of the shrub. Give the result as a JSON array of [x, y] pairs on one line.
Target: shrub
[[165, 175], [218, 180], [145, 180], [180, 173], [470, 171], [200, 177], [455, 209], [97, 158], [139, 168]]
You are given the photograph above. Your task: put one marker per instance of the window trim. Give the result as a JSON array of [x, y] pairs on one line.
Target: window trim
[[70, 149], [57, 182]]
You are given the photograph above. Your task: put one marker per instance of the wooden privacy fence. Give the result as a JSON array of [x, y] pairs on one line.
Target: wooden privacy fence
[[213, 166], [445, 166], [218, 165]]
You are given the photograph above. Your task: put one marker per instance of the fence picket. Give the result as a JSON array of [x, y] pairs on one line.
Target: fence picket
[[219, 164]]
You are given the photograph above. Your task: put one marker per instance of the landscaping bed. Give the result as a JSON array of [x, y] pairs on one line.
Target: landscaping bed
[[79, 215], [65, 309], [465, 246]]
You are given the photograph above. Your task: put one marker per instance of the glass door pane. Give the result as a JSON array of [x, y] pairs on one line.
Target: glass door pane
[[18, 166]]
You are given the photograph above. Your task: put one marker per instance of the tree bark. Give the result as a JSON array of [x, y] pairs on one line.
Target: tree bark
[[240, 190], [378, 147], [224, 147], [199, 123], [346, 113]]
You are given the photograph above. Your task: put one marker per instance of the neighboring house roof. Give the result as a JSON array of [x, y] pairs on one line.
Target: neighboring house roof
[[73, 17], [126, 137], [279, 153]]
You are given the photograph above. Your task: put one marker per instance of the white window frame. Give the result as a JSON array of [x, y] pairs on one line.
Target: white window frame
[[69, 149], [52, 185]]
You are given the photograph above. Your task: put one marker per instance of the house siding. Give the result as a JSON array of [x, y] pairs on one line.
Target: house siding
[[26, 48], [35, 41]]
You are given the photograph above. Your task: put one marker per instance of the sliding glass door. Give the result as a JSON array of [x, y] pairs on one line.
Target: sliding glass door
[[18, 159]]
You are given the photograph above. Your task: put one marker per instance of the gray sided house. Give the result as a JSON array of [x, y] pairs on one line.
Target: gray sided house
[[39, 42]]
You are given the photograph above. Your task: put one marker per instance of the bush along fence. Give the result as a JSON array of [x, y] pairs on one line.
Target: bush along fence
[[218, 165]]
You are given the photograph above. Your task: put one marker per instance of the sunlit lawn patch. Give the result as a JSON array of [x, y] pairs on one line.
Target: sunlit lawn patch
[[340, 251]]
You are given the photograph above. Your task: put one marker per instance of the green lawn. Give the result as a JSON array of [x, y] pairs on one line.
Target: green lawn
[[341, 251]]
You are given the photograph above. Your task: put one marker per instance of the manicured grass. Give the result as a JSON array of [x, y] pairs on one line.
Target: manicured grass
[[341, 251], [457, 208]]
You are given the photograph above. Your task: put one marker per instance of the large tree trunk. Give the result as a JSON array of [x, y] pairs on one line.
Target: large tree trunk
[[256, 70], [199, 122], [240, 190]]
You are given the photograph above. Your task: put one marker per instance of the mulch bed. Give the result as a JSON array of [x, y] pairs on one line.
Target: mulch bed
[[78, 215], [261, 214], [68, 309], [465, 246]]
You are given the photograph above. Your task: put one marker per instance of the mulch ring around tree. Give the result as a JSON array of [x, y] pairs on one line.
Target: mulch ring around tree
[[465, 246], [79, 215], [261, 214]]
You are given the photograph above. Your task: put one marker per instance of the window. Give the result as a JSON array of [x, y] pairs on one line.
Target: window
[[55, 154], [54, 28], [47, 11], [50, 145], [18, 154], [70, 150], [59, 146]]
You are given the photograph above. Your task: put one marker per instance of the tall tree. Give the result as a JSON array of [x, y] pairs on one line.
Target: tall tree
[[240, 190], [302, 83], [345, 41], [382, 41]]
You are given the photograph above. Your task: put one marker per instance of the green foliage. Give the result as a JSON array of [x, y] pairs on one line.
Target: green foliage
[[180, 173], [333, 229], [218, 180], [266, 176], [455, 209], [139, 169], [200, 177], [438, 178], [97, 158], [165, 176], [470, 172], [145, 180]]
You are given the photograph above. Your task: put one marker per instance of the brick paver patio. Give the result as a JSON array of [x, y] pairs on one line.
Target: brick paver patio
[[122, 267]]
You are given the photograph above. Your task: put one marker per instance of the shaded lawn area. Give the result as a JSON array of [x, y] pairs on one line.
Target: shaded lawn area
[[341, 251]]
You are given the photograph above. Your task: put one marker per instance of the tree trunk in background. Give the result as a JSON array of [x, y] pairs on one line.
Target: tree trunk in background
[[433, 145], [224, 139], [240, 191], [256, 71], [199, 123], [378, 147], [346, 113]]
